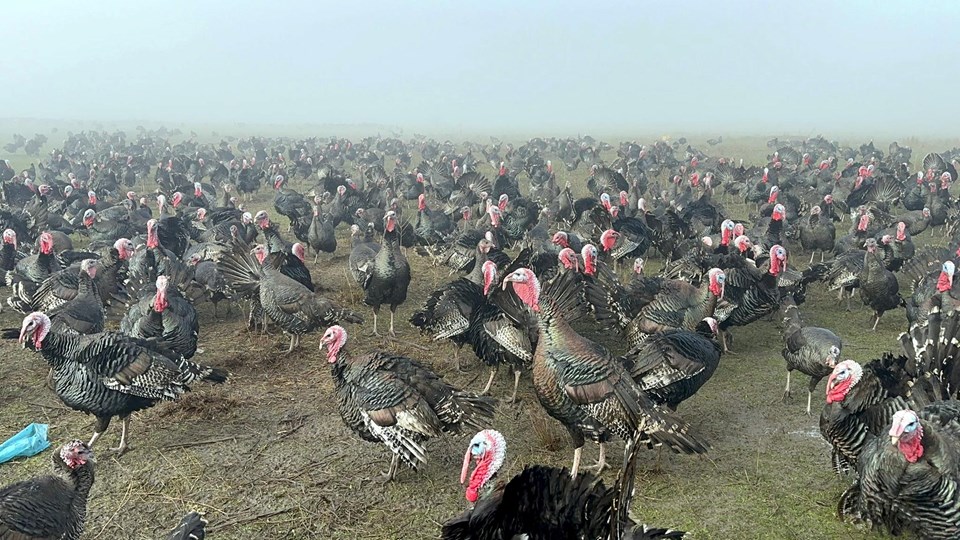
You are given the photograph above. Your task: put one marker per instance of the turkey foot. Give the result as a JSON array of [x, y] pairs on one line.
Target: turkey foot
[[456, 360], [601, 463], [391, 473], [124, 426], [786, 391]]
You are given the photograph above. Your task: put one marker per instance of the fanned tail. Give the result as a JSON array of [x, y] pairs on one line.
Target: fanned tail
[[241, 272]]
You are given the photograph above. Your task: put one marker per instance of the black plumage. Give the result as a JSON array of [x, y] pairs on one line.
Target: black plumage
[[671, 366], [398, 402], [110, 374], [388, 274], [50, 506]]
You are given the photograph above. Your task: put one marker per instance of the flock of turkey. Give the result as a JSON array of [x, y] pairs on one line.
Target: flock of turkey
[[542, 266]]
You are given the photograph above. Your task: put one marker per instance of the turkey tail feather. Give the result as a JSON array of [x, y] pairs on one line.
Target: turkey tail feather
[[191, 527], [466, 409]]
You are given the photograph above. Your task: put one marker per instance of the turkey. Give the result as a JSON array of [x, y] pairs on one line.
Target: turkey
[[932, 281], [389, 274], [757, 291], [810, 350], [364, 250], [398, 402], [9, 255], [543, 503], [678, 305], [290, 204], [448, 312], [30, 272], [110, 374], [146, 264], [908, 478], [671, 366], [162, 313], [50, 506], [817, 233], [109, 275], [582, 385], [321, 236], [896, 421], [879, 288], [84, 313], [291, 305]]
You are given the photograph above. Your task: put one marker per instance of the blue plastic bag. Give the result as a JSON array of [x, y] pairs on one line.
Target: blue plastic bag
[[29, 442]]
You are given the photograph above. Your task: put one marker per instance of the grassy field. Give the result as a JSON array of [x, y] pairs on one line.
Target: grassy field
[[267, 456]]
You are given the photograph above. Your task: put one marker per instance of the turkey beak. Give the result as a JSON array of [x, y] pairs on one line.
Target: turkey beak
[[505, 281], [466, 466], [894, 440]]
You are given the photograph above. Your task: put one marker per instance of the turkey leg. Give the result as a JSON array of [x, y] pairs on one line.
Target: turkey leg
[[810, 389], [486, 389], [516, 384], [576, 462], [102, 424], [393, 310], [124, 427], [376, 311], [456, 358], [786, 390]]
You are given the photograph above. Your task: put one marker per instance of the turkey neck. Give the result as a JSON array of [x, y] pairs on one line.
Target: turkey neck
[[57, 347], [794, 323], [872, 266], [8, 257], [85, 284], [476, 275], [390, 256], [339, 368], [82, 478], [707, 304]]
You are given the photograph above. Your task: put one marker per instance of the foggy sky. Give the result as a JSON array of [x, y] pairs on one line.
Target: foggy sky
[[857, 67]]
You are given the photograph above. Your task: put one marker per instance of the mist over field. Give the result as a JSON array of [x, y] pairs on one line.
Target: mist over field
[[838, 67]]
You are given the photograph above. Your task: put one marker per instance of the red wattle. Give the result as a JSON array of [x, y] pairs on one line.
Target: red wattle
[[476, 480], [835, 394], [944, 283], [912, 450]]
